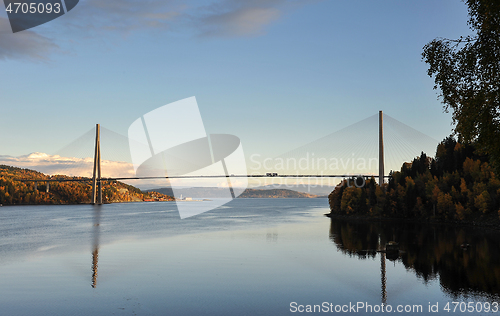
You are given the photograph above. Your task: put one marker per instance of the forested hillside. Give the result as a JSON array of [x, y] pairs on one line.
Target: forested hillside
[[14, 192], [459, 185]]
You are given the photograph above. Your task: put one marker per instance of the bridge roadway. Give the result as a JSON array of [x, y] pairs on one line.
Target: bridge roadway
[[273, 175]]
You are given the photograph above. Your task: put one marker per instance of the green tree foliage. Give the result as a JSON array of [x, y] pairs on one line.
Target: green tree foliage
[[467, 72], [456, 185]]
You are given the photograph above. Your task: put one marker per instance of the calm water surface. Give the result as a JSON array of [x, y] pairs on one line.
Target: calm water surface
[[250, 257]]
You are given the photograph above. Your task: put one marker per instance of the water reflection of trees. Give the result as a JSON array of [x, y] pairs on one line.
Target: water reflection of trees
[[465, 259]]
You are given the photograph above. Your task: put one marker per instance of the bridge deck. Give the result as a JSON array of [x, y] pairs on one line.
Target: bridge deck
[[207, 176]]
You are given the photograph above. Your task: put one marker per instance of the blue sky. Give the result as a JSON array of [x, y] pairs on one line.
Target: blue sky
[[278, 74]]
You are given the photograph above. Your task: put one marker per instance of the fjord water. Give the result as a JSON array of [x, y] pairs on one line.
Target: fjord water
[[249, 257]]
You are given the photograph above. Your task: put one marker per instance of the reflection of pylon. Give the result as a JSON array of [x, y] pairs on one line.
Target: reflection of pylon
[[96, 181], [95, 248], [383, 277], [95, 260]]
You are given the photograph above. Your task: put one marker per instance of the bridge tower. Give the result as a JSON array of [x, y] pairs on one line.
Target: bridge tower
[[380, 148], [96, 178]]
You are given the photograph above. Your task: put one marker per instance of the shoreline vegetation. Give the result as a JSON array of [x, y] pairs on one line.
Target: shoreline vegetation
[[459, 186], [14, 192], [490, 224]]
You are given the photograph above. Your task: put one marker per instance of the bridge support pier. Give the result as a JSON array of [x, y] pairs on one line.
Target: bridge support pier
[[36, 186], [96, 178], [47, 187]]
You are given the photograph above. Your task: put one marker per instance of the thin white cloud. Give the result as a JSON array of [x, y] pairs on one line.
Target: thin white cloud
[[238, 18], [83, 167], [105, 19], [220, 18], [243, 21], [55, 164], [24, 45], [123, 16]]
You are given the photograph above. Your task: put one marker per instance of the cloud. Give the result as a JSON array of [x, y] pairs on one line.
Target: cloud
[[243, 21], [83, 167], [237, 18], [123, 16], [220, 18], [55, 164], [24, 45], [97, 19]]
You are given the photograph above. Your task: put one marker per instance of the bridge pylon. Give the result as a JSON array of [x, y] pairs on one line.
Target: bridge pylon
[[380, 148], [96, 178]]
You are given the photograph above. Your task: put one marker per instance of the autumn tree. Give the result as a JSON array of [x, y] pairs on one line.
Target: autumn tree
[[467, 72]]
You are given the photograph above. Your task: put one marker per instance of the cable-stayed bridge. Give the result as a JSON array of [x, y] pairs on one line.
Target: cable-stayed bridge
[[370, 147]]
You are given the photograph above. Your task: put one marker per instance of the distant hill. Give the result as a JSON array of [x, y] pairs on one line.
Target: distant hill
[[197, 192], [210, 192], [275, 193], [322, 190], [14, 192]]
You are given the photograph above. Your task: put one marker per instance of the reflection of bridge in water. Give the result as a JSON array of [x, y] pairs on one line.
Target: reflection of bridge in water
[[95, 244], [430, 251], [96, 180]]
